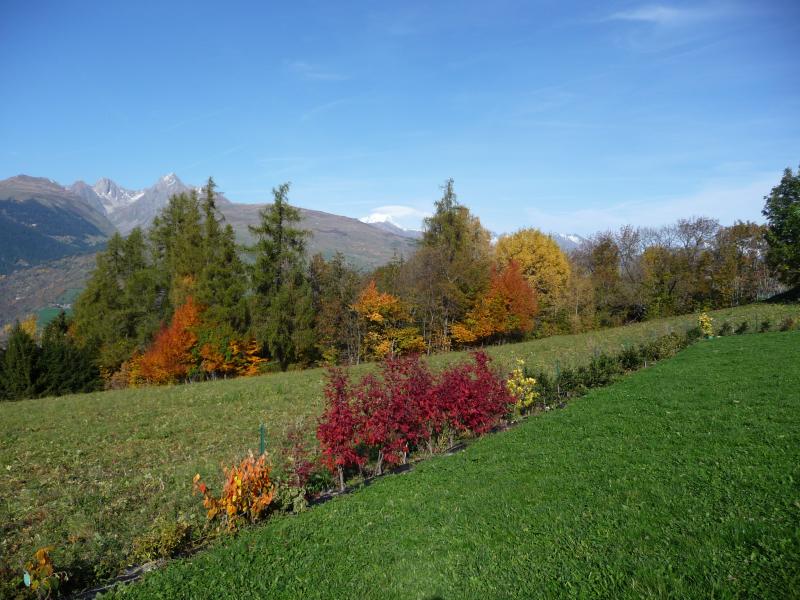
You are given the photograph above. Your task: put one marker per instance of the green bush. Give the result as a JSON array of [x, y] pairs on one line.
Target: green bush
[[630, 358], [165, 540], [787, 324], [694, 333], [742, 328], [726, 329], [765, 326], [290, 499]]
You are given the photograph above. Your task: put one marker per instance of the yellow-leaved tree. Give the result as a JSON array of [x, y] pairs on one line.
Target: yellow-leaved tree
[[383, 323], [543, 264]]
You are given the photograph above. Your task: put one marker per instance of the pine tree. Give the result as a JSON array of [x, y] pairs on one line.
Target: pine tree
[[782, 209], [19, 371], [221, 284], [451, 268], [282, 305], [65, 367]]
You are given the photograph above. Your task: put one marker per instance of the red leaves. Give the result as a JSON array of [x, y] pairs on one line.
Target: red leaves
[[405, 408], [337, 431]]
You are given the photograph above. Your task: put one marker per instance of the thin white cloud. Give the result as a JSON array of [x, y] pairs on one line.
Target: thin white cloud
[[400, 215], [665, 15], [723, 202], [313, 72], [322, 108]]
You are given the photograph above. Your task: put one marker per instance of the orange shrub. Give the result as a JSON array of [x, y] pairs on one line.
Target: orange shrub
[[247, 493], [169, 358]]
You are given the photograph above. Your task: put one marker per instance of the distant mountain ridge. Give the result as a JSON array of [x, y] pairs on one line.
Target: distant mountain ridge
[[43, 223]]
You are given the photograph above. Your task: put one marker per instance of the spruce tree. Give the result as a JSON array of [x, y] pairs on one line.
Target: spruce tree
[[282, 306], [19, 370], [221, 285], [782, 209], [65, 367]]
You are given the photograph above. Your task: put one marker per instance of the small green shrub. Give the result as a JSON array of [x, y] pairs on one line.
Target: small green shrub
[[290, 499], [630, 358], [742, 328], [765, 326], [787, 324], [165, 540], [695, 333], [725, 329]]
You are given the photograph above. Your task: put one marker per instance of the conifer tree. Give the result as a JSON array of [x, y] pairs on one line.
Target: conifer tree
[[221, 284], [19, 371], [65, 367], [282, 304], [451, 268], [782, 210]]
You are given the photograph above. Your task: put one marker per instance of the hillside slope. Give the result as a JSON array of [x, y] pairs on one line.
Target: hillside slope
[[47, 228], [679, 481], [41, 221], [107, 465]]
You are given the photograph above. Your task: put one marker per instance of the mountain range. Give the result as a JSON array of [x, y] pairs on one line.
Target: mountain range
[[50, 233]]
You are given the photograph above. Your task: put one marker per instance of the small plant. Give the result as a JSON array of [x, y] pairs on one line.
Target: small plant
[[290, 499], [247, 493], [523, 388], [165, 540], [787, 324], [765, 326], [630, 358], [706, 324], [726, 329], [40, 576], [742, 328]]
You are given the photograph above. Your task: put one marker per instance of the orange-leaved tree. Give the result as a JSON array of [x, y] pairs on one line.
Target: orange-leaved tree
[[170, 358], [507, 309], [383, 320]]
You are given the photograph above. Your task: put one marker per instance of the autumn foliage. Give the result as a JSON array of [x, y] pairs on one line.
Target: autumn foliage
[[169, 358], [246, 495], [406, 408], [506, 309], [384, 319]]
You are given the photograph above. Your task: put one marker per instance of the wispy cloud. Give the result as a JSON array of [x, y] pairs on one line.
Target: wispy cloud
[[313, 72], [323, 108], [665, 15]]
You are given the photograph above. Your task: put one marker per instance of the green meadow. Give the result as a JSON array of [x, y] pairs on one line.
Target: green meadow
[[89, 473]]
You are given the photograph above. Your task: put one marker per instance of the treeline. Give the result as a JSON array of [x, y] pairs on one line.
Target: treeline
[[181, 302]]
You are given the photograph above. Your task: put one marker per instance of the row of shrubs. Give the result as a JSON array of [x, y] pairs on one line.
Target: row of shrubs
[[727, 328]]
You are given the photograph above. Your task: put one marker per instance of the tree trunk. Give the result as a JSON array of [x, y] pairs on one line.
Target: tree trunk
[[341, 478]]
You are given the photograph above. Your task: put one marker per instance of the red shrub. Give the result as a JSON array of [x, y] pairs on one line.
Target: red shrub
[[338, 429], [472, 397], [392, 409]]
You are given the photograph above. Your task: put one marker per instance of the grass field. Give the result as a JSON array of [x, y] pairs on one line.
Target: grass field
[[88, 473], [682, 480]]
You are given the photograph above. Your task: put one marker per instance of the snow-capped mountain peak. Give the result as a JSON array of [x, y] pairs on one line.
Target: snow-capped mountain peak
[[114, 197]]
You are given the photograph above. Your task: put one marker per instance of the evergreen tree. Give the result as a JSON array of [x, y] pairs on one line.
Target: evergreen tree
[[123, 303], [451, 268], [177, 238], [65, 367], [782, 210], [221, 285], [19, 371], [283, 309]]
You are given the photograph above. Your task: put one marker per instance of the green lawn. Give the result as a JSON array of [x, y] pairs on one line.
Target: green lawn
[[682, 480], [88, 473]]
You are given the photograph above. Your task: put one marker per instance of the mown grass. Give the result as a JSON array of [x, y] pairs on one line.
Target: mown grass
[[89, 473], [682, 481]]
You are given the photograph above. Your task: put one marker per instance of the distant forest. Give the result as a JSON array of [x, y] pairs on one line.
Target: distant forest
[[181, 302]]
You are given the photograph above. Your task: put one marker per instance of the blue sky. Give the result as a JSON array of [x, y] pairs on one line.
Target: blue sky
[[571, 117]]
